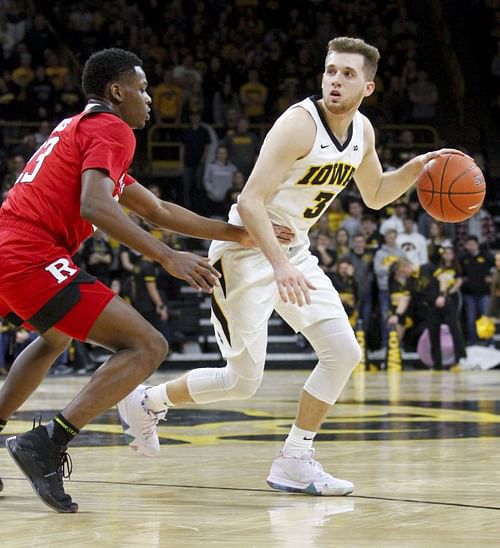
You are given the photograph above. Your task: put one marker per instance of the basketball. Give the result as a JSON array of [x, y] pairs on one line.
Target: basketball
[[451, 188]]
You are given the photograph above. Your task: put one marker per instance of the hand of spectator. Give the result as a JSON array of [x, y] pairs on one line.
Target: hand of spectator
[[162, 312], [393, 320], [440, 301], [195, 270]]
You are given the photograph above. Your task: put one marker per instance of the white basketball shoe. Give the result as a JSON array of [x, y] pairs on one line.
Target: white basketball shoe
[[305, 475], [139, 423]]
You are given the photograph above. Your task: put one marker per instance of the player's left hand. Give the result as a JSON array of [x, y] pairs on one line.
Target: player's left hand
[[283, 233]]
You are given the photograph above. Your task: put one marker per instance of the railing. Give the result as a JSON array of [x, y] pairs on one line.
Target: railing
[[164, 146]]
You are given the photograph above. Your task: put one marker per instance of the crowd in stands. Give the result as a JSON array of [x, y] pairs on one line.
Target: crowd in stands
[[220, 71]]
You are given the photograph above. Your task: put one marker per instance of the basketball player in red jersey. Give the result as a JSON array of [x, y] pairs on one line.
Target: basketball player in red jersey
[[74, 181]]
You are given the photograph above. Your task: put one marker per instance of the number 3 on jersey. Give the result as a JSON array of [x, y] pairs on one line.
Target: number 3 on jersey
[[36, 161], [322, 200]]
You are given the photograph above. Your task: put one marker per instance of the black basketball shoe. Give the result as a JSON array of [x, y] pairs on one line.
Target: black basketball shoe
[[45, 465]]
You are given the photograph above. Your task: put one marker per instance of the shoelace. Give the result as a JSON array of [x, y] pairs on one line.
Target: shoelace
[[65, 465], [149, 428], [315, 465]]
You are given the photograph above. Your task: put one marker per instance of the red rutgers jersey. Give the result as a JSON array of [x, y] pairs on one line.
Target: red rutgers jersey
[[47, 193]]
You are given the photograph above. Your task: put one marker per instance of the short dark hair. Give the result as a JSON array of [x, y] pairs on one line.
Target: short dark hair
[[473, 238], [106, 66]]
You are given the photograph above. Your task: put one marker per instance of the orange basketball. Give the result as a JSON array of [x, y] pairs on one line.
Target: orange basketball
[[451, 188]]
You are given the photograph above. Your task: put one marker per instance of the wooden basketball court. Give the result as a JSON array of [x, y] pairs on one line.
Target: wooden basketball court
[[422, 449]]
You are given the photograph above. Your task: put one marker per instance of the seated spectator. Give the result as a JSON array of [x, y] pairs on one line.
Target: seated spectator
[[369, 230], [335, 215], [55, 70], [423, 95], [193, 101], [15, 166], [481, 226], [69, 98], [225, 99], [352, 223], [242, 146], [42, 133], [412, 243], [322, 248], [41, 95], [395, 221], [343, 281], [168, 100], [24, 74], [341, 242], [236, 187], [253, 97]]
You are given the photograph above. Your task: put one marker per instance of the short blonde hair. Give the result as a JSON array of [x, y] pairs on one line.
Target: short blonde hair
[[346, 44]]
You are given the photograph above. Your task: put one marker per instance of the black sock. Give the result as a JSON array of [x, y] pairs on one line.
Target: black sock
[[2, 424], [61, 431]]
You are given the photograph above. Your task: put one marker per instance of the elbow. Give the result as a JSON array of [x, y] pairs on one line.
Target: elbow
[[373, 203], [242, 205], [88, 212]]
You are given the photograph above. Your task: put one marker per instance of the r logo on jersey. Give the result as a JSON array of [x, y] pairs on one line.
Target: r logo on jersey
[[61, 270]]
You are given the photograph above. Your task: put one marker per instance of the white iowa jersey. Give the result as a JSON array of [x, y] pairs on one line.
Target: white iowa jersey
[[314, 181]]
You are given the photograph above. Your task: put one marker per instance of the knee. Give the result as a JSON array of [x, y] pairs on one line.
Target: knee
[[346, 356], [352, 354], [153, 350], [243, 389]]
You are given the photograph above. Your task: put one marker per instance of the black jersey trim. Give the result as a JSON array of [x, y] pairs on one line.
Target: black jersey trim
[[217, 310], [314, 99]]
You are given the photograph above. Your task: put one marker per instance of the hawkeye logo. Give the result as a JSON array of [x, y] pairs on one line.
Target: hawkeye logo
[[338, 174]]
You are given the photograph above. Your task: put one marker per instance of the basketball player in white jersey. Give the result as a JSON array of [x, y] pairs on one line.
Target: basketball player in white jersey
[[308, 157]]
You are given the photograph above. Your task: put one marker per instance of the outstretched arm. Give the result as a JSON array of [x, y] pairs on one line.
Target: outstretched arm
[[98, 207], [183, 221]]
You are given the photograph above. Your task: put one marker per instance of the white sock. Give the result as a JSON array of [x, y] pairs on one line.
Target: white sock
[[298, 442], [157, 398]]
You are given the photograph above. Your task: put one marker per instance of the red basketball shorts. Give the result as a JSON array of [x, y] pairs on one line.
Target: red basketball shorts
[[41, 287]]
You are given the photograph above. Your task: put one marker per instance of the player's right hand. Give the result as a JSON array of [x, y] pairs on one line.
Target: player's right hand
[[195, 270], [293, 286]]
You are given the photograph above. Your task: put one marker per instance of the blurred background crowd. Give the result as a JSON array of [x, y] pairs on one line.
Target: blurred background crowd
[[220, 73]]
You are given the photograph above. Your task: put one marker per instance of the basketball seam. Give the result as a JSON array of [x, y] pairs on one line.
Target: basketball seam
[[441, 205], [428, 173]]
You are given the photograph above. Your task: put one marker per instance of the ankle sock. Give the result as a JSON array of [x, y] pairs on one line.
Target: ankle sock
[[298, 442], [61, 431], [157, 398]]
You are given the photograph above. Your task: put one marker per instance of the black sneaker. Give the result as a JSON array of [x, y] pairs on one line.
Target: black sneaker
[[44, 464], [1, 484]]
